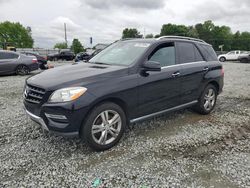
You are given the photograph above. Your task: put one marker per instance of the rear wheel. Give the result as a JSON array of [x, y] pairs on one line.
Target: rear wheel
[[222, 59], [104, 126], [244, 60], [207, 100], [22, 70]]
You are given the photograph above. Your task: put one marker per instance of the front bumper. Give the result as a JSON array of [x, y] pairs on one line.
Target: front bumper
[[37, 119], [44, 126]]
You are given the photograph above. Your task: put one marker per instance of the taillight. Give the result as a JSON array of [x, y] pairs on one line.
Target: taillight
[[34, 60], [222, 72]]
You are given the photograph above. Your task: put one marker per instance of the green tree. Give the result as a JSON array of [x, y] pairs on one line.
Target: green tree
[[61, 45], [149, 36], [245, 41], [236, 43], [131, 33], [15, 34], [205, 31], [157, 36], [77, 46], [172, 29]]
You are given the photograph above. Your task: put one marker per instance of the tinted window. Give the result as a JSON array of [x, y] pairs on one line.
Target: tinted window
[[7, 55], [208, 52], [121, 53], [165, 55], [187, 53]]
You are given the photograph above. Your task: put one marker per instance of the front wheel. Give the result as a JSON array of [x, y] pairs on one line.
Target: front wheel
[[104, 126], [22, 70], [207, 100], [222, 59]]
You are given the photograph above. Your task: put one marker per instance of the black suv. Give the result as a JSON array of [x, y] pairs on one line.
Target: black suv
[[129, 81], [63, 55]]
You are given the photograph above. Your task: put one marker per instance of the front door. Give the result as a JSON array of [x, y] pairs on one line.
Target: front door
[[160, 90]]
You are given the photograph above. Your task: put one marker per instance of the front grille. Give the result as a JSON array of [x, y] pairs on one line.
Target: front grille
[[33, 94]]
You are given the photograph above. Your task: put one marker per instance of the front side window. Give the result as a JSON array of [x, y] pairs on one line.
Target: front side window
[[164, 54], [121, 53], [231, 53]]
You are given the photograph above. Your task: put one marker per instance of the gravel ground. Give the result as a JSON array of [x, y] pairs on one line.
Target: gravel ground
[[181, 149]]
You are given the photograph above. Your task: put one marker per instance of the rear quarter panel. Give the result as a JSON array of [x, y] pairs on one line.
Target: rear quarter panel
[[213, 75]]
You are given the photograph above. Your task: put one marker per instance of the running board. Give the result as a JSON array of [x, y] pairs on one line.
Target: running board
[[163, 112]]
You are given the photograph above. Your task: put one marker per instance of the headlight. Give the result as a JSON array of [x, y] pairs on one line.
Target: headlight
[[67, 94]]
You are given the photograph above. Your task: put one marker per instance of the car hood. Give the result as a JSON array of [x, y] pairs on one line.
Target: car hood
[[76, 75]]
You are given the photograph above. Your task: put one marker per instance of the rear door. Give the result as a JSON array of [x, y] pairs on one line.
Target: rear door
[[194, 67], [8, 62], [160, 90]]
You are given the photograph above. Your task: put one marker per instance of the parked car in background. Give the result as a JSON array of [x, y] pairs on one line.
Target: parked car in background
[[12, 62], [127, 82], [63, 55], [245, 58], [42, 60], [85, 56], [231, 56]]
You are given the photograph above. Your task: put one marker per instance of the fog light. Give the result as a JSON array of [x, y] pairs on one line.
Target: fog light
[[55, 116]]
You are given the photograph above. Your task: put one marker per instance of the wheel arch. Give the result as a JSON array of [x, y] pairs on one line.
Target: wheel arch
[[118, 101], [215, 84]]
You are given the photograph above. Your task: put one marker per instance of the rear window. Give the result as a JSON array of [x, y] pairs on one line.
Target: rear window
[[208, 52], [6, 55]]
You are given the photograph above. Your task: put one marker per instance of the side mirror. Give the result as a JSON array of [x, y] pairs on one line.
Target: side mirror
[[151, 66]]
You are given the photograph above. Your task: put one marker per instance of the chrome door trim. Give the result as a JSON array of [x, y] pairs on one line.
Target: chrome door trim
[[191, 63]]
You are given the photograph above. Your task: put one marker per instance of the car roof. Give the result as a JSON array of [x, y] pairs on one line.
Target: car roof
[[7, 51]]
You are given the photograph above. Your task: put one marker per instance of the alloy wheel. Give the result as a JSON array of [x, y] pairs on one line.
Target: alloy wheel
[[106, 127], [209, 99], [22, 70]]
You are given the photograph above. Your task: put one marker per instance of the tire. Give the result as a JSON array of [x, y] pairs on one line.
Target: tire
[[244, 60], [222, 59], [22, 70], [103, 135], [207, 100]]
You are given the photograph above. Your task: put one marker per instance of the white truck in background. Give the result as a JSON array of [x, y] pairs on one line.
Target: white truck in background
[[231, 56]]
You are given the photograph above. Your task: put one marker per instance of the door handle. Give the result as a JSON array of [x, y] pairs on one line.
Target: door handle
[[176, 74], [205, 69]]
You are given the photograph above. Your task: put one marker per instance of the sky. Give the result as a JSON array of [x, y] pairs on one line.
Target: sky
[[104, 20]]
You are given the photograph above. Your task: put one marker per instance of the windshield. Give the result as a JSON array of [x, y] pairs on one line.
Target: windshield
[[121, 53]]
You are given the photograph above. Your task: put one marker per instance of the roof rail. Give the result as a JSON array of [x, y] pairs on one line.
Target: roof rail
[[130, 39], [180, 37]]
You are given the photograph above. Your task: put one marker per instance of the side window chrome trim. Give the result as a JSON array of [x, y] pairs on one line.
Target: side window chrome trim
[[183, 64]]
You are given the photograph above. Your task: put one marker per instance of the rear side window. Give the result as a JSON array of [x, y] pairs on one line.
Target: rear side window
[[187, 53], [164, 54], [208, 52], [6, 55]]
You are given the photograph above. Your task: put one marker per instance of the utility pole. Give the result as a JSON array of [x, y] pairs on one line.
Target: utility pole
[[65, 32]]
